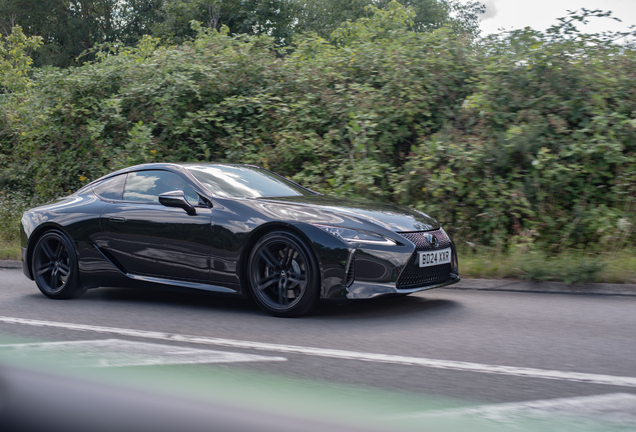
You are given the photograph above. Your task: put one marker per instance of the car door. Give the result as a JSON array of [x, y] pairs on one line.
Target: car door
[[147, 238]]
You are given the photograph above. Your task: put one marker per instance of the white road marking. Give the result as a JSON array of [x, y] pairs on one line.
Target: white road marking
[[619, 407], [117, 353], [342, 354]]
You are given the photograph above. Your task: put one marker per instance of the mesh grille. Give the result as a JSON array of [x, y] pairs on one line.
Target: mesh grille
[[419, 239], [414, 276]]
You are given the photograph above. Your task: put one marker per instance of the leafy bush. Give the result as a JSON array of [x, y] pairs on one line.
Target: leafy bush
[[530, 137]]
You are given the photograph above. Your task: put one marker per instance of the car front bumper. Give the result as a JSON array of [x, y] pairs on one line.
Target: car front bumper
[[25, 264], [367, 290], [373, 270]]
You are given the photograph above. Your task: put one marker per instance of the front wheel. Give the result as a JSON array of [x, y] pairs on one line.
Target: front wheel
[[283, 275], [54, 267]]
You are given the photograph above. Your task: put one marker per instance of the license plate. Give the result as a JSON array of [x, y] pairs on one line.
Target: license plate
[[433, 258]]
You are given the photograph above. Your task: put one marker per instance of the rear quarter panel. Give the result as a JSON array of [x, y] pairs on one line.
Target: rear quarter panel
[[76, 215]]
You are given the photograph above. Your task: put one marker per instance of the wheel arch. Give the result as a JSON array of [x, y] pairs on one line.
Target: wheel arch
[[263, 230], [35, 236]]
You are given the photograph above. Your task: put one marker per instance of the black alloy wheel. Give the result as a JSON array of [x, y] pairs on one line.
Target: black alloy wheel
[[283, 275], [54, 267]]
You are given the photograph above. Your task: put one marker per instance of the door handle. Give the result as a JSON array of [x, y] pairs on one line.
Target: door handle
[[117, 219]]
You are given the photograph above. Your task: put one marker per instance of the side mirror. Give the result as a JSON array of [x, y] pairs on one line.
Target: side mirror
[[176, 198]]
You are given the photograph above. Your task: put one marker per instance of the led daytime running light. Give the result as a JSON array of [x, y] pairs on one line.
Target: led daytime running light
[[354, 236]]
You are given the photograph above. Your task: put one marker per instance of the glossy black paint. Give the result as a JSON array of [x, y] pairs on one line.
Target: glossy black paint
[[155, 240], [122, 243]]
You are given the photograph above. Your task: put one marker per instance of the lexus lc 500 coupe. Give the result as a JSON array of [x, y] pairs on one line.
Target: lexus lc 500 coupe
[[231, 229]]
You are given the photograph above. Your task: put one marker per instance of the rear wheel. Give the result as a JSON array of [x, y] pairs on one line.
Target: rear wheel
[[54, 267], [283, 275]]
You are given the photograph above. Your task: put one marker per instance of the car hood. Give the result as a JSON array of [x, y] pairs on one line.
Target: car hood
[[326, 209]]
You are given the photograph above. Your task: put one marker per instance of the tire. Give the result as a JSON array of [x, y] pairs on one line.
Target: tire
[[54, 266], [283, 275]]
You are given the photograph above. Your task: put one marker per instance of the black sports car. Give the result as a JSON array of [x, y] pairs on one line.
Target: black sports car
[[232, 229]]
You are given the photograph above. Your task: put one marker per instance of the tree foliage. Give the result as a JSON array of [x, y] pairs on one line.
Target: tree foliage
[[324, 16], [15, 63], [70, 27], [528, 136], [276, 18]]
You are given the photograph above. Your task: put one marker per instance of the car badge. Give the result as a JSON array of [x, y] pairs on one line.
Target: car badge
[[433, 241]]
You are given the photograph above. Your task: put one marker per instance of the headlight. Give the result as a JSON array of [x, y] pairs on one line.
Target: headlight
[[354, 236]]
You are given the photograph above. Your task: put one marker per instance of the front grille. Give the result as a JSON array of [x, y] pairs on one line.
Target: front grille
[[419, 239], [414, 276]]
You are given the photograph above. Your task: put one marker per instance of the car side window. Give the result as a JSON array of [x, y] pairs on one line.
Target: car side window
[[111, 189], [146, 186]]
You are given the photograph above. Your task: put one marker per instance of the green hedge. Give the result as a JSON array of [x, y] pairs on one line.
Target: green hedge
[[526, 137]]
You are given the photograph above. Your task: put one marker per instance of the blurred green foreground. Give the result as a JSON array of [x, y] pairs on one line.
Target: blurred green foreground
[[83, 369]]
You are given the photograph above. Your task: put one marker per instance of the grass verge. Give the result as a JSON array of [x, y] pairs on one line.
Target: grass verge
[[571, 266], [12, 204], [10, 251]]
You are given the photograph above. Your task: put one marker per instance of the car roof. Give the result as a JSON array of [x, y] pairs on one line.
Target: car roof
[[179, 166]]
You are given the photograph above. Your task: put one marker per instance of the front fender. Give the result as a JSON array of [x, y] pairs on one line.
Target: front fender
[[332, 255]]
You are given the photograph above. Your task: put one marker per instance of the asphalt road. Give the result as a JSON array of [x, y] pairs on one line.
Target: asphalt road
[[460, 347]]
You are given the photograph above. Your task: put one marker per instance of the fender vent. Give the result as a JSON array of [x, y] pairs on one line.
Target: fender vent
[[350, 276]]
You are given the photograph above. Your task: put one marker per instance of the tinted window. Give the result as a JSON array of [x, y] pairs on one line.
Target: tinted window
[[111, 189], [242, 181], [146, 186]]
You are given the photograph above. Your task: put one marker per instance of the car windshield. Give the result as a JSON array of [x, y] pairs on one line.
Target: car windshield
[[244, 181]]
